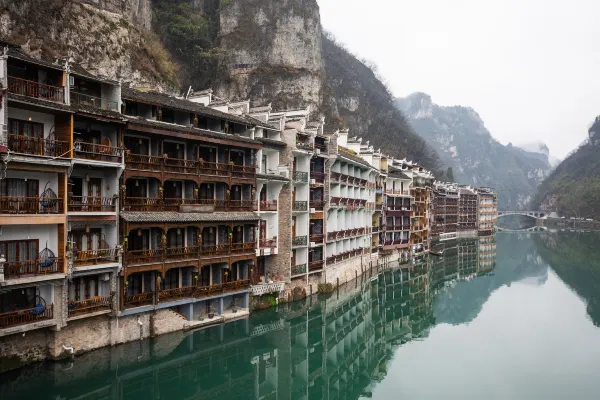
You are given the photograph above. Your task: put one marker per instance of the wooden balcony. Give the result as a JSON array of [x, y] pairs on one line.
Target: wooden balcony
[[160, 255], [98, 152], [315, 265], [36, 89], [186, 292], [170, 204], [317, 237], [38, 146], [92, 204], [143, 162], [318, 177], [94, 257], [268, 205], [346, 233], [89, 306], [92, 101], [26, 316], [31, 205], [268, 243], [317, 204], [299, 241], [21, 269]]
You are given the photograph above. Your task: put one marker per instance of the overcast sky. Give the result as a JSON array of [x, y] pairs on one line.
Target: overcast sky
[[530, 68]]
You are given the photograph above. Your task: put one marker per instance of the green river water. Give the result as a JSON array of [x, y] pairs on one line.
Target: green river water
[[514, 318]]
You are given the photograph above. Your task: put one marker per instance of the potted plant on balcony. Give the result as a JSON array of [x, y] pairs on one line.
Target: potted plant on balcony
[[234, 306], [211, 312]]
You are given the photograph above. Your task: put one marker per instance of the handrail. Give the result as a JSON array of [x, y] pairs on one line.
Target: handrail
[[38, 146], [268, 243], [18, 269], [36, 89], [27, 315], [97, 303], [92, 204], [268, 205], [92, 150], [93, 256], [31, 205], [300, 206]]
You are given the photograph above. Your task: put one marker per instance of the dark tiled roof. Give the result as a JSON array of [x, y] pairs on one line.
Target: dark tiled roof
[[260, 109], [78, 70], [398, 175], [180, 104], [278, 144], [99, 112], [272, 177], [173, 216], [45, 62], [354, 158], [186, 129], [40, 102]]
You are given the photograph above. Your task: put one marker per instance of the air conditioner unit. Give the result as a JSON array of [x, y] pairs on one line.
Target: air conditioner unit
[[317, 151], [105, 277], [312, 181], [313, 244], [313, 210]]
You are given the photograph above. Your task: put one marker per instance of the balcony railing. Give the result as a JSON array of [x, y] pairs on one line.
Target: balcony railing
[[268, 205], [345, 255], [268, 243], [395, 242], [346, 233], [317, 237], [38, 146], [299, 241], [148, 298], [26, 316], [304, 145], [315, 265], [142, 162], [19, 269], [160, 255], [31, 205], [318, 177], [321, 146], [317, 204], [299, 269], [397, 192], [298, 176], [300, 206], [36, 89], [170, 204], [92, 204], [85, 100], [95, 304], [87, 257], [92, 151]]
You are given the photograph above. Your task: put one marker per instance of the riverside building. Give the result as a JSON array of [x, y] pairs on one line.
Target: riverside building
[[166, 213]]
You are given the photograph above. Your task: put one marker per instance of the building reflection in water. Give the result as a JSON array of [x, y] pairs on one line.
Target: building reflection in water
[[333, 347]]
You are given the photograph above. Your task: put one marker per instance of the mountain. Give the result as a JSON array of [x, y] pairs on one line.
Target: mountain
[[267, 51], [463, 143], [542, 148], [573, 188]]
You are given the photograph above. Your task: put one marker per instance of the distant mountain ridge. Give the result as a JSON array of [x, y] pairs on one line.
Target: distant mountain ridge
[[460, 137]]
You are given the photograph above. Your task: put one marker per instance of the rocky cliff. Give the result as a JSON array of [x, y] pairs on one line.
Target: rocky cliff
[[267, 51], [573, 188], [461, 139]]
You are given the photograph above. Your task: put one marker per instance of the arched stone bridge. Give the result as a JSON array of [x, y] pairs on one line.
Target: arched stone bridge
[[532, 214], [532, 229]]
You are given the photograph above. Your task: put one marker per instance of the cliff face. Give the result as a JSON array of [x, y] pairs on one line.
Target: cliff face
[[273, 52], [267, 51], [108, 37], [573, 188], [463, 143]]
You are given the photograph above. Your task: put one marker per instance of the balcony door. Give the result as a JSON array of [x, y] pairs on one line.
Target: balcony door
[[94, 187], [208, 154], [263, 193], [137, 145], [139, 239], [83, 241], [237, 157], [263, 229], [25, 128], [137, 188], [174, 150], [11, 187], [175, 238], [238, 234], [236, 192], [173, 190], [207, 191], [209, 236], [20, 250], [18, 299]]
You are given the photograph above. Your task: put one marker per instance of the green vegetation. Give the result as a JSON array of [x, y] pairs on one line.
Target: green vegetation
[[573, 189]]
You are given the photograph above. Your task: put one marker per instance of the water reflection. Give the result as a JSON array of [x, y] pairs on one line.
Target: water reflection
[[575, 257], [335, 346]]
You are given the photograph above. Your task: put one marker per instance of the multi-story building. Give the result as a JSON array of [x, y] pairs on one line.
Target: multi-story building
[[487, 210], [467, 210]]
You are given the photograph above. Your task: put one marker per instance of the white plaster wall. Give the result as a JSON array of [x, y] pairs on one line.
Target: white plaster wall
[[44, 233], [42, 177], [110, 182], [46, 119]]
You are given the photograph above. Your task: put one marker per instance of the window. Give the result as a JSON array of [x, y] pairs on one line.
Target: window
[[20, 250], [25, 128], [11, 187]]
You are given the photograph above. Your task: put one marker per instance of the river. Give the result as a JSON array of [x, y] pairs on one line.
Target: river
[[513, 316]]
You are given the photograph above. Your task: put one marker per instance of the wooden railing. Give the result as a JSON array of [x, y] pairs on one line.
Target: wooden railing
[[36, 89], [268, 205], [268, 243], [345, 255], [160, 255], [92, 151], [38, 146], [140, 299], [92, 204], [18, 269], [26, 316], [31, 205], [317, 237], [177, 293], [346, 233], [142, 162], [97, 303], [315, 265], [319, 177], [317, 204], [85, 99], [87, 257]]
